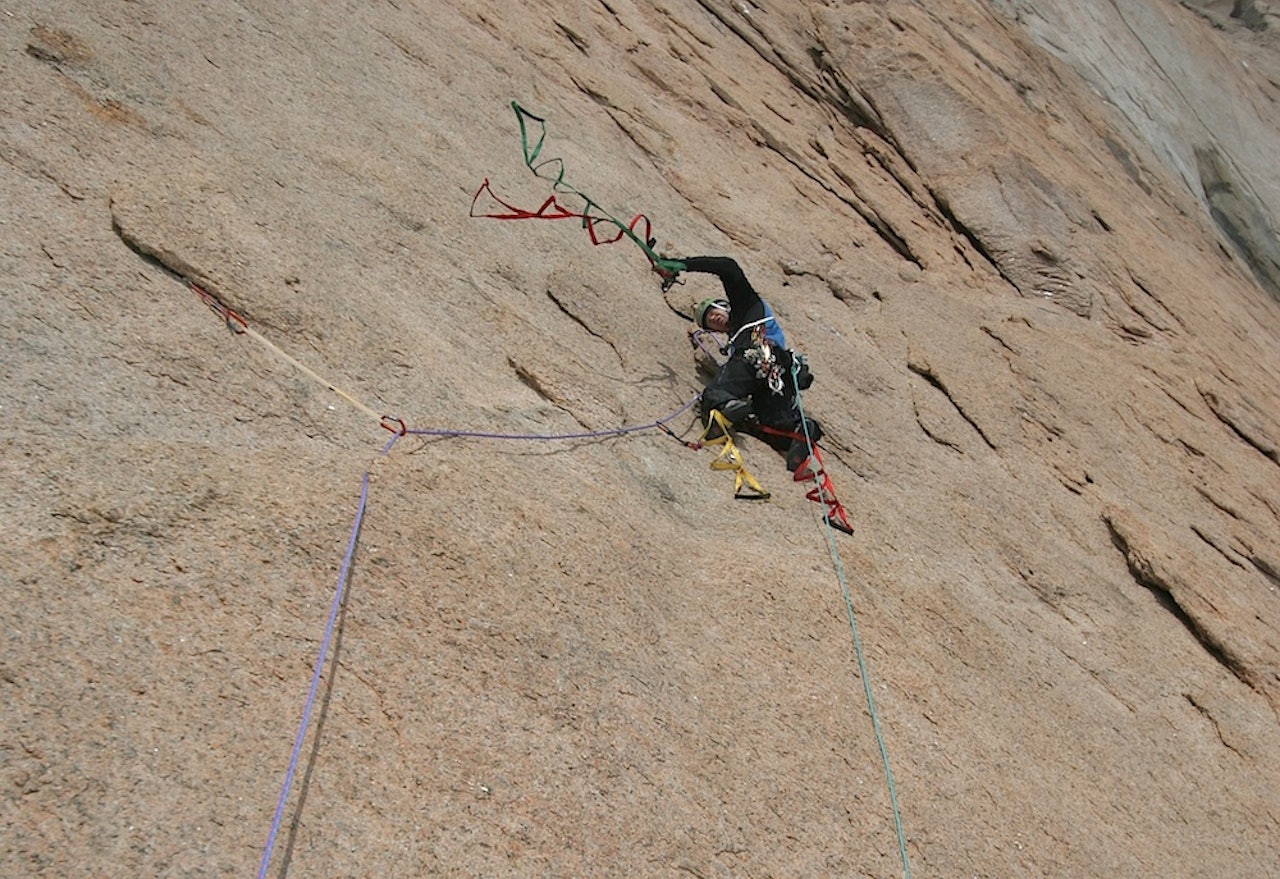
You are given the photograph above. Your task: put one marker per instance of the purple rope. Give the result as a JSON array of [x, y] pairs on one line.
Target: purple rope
[[697, 340], [616, 431], [291, 772], [315, 677]]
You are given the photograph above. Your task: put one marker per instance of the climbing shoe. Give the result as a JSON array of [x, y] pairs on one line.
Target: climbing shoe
[[736, 412], [798, 458]]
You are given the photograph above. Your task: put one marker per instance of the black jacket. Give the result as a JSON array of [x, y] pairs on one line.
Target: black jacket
[[747, 309], [745, 305]]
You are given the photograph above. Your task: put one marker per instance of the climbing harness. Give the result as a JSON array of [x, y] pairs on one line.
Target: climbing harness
[[728, 346]]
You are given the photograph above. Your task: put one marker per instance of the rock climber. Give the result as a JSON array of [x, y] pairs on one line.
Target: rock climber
[[756, 388]]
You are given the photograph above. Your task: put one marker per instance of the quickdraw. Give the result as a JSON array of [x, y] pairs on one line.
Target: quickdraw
[[395, 425], [233, 320], [671, 433]]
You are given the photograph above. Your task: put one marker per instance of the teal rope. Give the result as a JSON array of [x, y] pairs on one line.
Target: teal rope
[[672, 268], [857, 645]]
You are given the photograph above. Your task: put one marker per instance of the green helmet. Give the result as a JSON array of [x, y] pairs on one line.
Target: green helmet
[[700, 312]]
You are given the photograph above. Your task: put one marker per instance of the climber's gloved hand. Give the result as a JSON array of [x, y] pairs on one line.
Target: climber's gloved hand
[[800, 371], [669, 270], [804, 378]]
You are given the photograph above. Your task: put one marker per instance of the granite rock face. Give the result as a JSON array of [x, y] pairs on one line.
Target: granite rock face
[[1179, 86], [1029, 249]]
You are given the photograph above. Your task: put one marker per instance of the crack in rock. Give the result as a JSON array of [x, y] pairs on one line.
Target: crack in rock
[[1237, 422], [1140, 556], [564, 309], [926, 372]]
